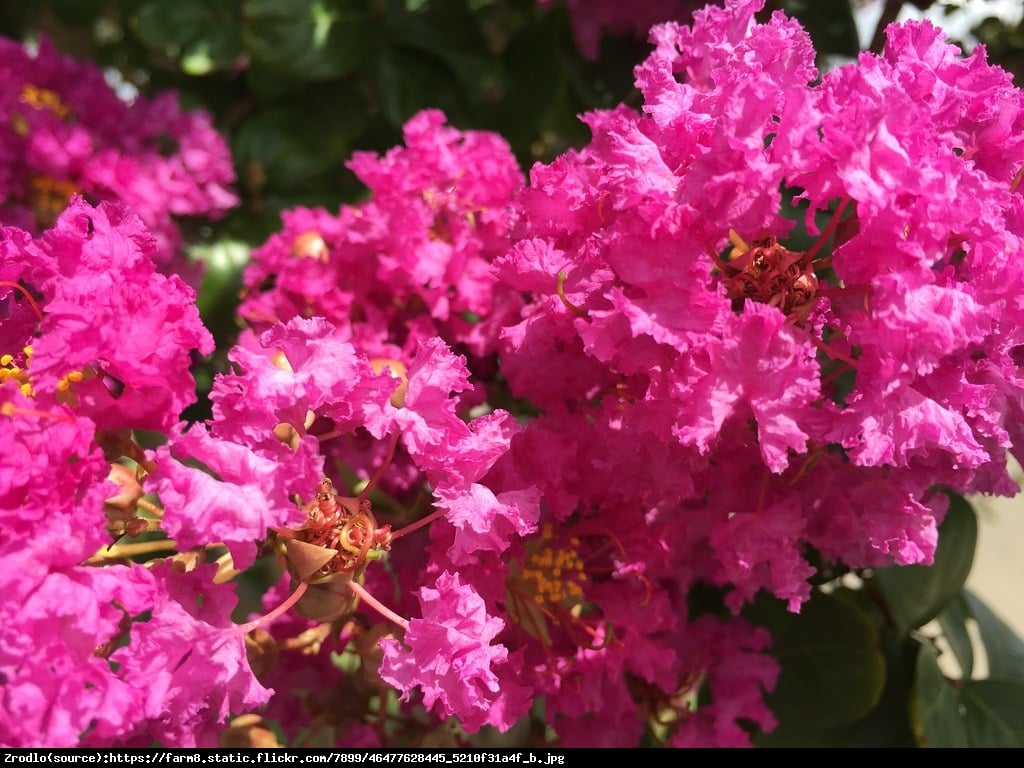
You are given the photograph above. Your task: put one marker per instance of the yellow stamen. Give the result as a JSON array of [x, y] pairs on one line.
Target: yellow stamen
[[44, 98], [49, 198]]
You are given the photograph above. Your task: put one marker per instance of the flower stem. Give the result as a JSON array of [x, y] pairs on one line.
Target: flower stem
[[24, 291], [418, 524], [833, 353], [560, 287], [378, 606], [293, 598], [392, 445], [827, 233]]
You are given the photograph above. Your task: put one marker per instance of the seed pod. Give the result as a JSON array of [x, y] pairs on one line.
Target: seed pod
[[329, 598]]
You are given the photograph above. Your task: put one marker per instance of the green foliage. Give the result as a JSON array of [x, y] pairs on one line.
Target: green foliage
[[832, 667], [862, 665]]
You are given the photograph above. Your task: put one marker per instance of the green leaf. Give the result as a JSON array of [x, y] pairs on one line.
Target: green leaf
[[308, 39], [203, 35], [1003, 648], [953, 621], [975, 713], [935, 707], [832, 667], [886, 724], [994, 713], [916, 594], [409, 80], [449, 35], [831, 25], [292, 142]]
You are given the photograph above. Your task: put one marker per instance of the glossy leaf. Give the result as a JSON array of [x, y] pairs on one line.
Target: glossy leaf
[[308, 39], [203, 36], [973, 713], [832, 667], [886, 724], [916, 594], [935, 707], [953, 621], [1003, 648], [994, 713]]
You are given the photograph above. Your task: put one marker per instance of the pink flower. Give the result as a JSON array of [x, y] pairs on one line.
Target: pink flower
[[448, 655], [64, 131], [57, 683], [188, 661], [410, 263]]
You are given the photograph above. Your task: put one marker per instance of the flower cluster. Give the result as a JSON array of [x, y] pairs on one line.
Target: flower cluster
[[95, 343], [483, 441], [65, 131], [409, 264]]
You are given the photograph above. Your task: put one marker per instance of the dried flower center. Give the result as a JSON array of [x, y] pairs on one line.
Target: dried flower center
[[769, 273], [345, 526]]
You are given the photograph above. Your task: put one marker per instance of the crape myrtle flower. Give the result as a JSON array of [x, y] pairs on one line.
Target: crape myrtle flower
[[65, 131], [91, 324], [96, 650], [410, 262], [717, 394], [256, 478]]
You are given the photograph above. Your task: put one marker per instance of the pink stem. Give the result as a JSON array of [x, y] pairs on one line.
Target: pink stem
[[417, 525], [378, 606], [832, 224], [834, 353], [35, 307], [392, 445], [293, 598]]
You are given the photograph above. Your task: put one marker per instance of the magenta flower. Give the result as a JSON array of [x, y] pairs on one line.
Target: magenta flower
[[410, 263], [57, 686], [63, 131], [114, 337], [452, 660], [188, 661]]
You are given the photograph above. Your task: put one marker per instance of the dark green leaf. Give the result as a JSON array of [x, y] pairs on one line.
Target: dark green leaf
[[201, 34], [409, 80], [994, 713], [916, 594], [291, 142], [832, 668], [953, 621], [831, 25], [308, 39], [935, 708], [887, 724], [1003, 648]]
